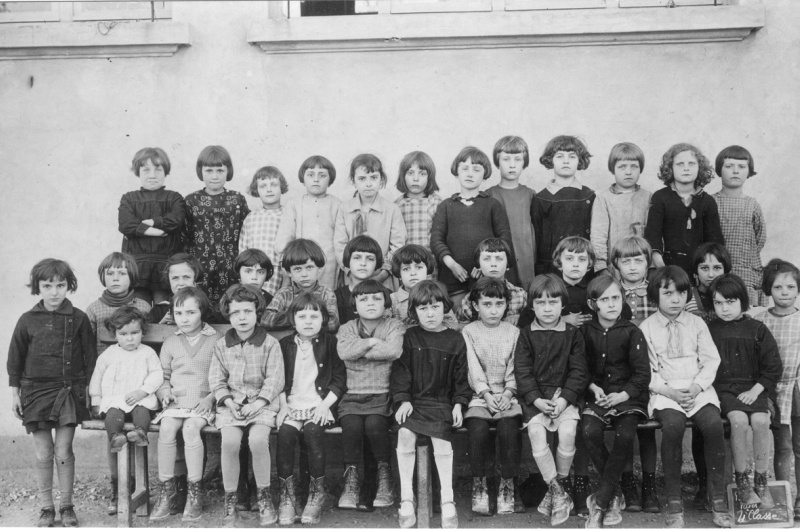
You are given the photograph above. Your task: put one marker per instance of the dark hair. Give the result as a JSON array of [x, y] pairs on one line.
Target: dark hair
[[314, 161], [565, 143], [299, 251], [548, 284], [363, 244], [425, 293], [715, 250], [267, 172], [631, 246], [493, 245], [371, 164], [574, 244], [47, 269], [157, 156], [475, 156], [192, 292], [738, 153], [307, 300], [183, 258], [253, 257], [214, 156], [371, 286], [598, 286], [489, 287], [625, 151], [123, 316], [731, 286], [774, 268], [117, 259], [410, 254], [666, 275], [705, 173], [242, 293], [511, 144], [424, 161]]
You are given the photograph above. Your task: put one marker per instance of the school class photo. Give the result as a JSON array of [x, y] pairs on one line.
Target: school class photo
[[525, 265]]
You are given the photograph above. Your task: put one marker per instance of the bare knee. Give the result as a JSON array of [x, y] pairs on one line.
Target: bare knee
[[406, 439]]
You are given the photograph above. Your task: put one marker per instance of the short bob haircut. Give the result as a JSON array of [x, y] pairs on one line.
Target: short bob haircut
[[52, 270], [428, 292], [412, 254], [631, 246], [774, 268], [625, 151], [117, 259], [192, 292], [548, 285], [574, 244], [157, 156], [705, 173], [565, 143], [598, 286], [183, 258], [738, 153], [424, 162], [371, 164], [475, 156], [264, 173], [363, 244], [308, 301], [317, 161], [489, 287], [371, 286], [301, 250], [123, 316], [242, 293], [214, 156], [731, 286], [715, 250], [666, 275], [253, 257], [493, 245], [511, 144]]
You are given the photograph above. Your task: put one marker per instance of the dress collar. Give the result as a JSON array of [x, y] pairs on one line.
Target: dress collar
[[561, 326], [256, 339], [64, 308]]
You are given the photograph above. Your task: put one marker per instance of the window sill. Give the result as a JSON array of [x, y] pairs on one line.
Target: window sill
[[83, 40], [518, 29]]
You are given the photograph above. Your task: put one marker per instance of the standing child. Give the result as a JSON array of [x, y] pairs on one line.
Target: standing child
[[511, 157], [682, 215], [429, 390], [362, 256], [214, 218], [564, 207], [48, 381], [743, 223], [181, 270], [261, 226], [621, 210], [151, 220], [246, 376]]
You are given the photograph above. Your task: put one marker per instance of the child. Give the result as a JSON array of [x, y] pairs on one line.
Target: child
[[710, 261], [303, 260], [38, 374], [151, 220], [214, 218], [781, 281], [551, 374], [749, 369], [261, 227], [621, 210], [490, 359], [246, 376], [368, 213], [619, 374], [743, 223], [564, 207], [315, 380], [411, 264], [313, 215], [181, 270], [429, 389], [464, 220], [362, 256], [683, 366], [511, 157], [253, 267], [573, 259], [187, 400], [682, 215], [368, 345]]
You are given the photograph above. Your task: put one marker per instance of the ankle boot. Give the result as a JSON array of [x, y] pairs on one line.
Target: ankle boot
[[349, 497], [505, 496], [519, 504], [231, 517], [649, 497], [194, 503], [744, 492], [266, 510], [562, 504], [178, 503], [317, 496], [762, 490], [700, 502], [630, 492], [384, 497], [112, 503], [287, 513], [68, 517], [569, 487], [580, 492], [721, 515], [47, 518], [480, 496], [161, 509]]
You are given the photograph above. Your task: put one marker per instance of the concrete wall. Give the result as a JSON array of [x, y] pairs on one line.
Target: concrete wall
[[66, 143]]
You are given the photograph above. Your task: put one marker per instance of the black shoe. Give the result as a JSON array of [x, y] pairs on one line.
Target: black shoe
[[47, 518], [650, 502], [68, 517], [630, 492]]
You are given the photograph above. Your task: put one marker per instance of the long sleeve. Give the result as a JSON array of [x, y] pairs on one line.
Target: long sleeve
[[439, 246], [578, 373], [349, 344], [18, 353], [400, 381], [287, 231], [187, 235], [166, 370], [397, 235], [392, 347], [341, 236], [527, 385], [244, 237], [218, 376], [155, 376], [475, 374], [96, 384], [760, 229], [537, 220], [657, 382], [88, 340], [502, 228], [130, 225], [338, 382], [654, 230], [172, 221], [461, 390], [274, 377], [708, 357], [769, 359], [640, 365], [511, 379], [275, 317], [712, 228], [599, 232]]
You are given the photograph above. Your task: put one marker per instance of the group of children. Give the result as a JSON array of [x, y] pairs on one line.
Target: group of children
[[561, 312]]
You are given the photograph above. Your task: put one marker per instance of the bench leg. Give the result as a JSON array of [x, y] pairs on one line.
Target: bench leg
[[124, 517], [424, 493], [140, 500]]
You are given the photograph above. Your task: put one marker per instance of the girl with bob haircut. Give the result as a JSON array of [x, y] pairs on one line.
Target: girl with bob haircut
[[710, 261], [255, 258], [362, 255], [625, 151], [511, 144], [565, 143], [416, 179], [476, 156], [177, 274]]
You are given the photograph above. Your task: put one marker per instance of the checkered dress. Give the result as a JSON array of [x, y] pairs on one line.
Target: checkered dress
[[786, 330], [641, 308], [490, 358], [258, 231], [418, 216], [519, 298]]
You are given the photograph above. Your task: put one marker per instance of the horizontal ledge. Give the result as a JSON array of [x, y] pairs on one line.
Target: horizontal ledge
[[507, 29]]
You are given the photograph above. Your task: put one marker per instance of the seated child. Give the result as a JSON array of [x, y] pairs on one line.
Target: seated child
[[412, 264], [253, 267], [711, 260], [362, 255], [182, 270]]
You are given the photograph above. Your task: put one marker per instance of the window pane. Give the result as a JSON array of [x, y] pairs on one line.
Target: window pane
[[440, 6], [120, 10], [29, 12], [522, 5], [25, 7]]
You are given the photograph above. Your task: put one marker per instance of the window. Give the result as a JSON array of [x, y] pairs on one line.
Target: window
[[83, 11]]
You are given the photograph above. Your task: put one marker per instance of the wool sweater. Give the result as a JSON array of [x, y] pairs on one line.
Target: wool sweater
[[165, 208], [369, 368], [119, 372], [617, 215], [186, 366]]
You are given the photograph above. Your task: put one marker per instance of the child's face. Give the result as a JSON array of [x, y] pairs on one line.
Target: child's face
[[671, 302], [129, 336], [117, 280], [609, 304], [253, 275], [470, 175], [708, 270], [215, 178], [269, 191], [493, 264], [685, 168], [626, 174], [490, 310], [727, 309], [431, 315], [565, 163], [53, 292], [548, 310], [152, 176], [243, 317], [511, 165], [632, 269], [367, 183], [370, 306], [784, 290], [416, 181], [188, 316], [362, 265], [308, 322], [412, 273], [574, 265], [180, 276], [305, 275], [734, 173], [317, 180]]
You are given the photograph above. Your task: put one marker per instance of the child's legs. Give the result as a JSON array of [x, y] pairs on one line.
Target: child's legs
[[541, 452], [740, 425], [287, 438], [567, 433], [478, 430], [784, 455], [114, 421], [65, 463], [443, 456], [168, 447], [406, 458], [699, 455], [193, 447], [315, 439], [376, 428], [761, 435], [510, 445], [648, 451], [259, 449], [673, 424], [352, 439], [708, 420], [44, 448], [796, 450], [141, 418], [581, 459], [594, 435], [624, 433], [231, 441]]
